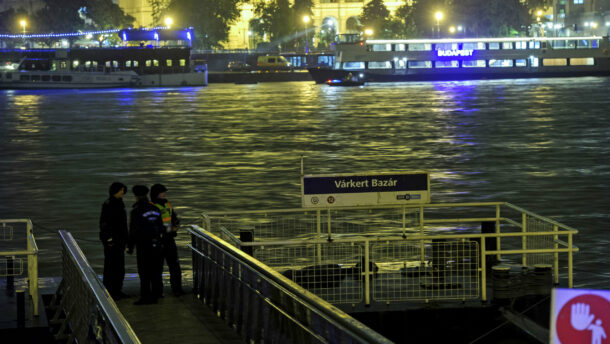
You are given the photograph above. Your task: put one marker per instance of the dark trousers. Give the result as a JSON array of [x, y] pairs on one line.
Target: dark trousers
[[114, 268], [150, 268], [170, 253]]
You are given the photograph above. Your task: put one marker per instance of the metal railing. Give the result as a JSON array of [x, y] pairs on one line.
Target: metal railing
[[412, 252], [88, 311], [13, 264], [261, 304]]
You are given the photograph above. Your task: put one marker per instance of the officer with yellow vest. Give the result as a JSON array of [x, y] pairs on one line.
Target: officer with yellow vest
[[171, 223]]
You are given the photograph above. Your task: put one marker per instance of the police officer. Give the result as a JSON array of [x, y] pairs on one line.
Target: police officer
[[145, 230], [113, 234], [171, 223]]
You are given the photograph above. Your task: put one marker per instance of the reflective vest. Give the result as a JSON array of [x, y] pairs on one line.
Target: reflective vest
[[166, 214]]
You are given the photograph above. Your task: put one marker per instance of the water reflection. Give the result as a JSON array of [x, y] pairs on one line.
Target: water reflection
[[540, 144]]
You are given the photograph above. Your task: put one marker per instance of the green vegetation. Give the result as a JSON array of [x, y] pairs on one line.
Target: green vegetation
[[478, 18]]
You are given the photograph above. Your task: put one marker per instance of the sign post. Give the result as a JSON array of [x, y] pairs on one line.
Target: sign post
[[580, 316], [366, 189]]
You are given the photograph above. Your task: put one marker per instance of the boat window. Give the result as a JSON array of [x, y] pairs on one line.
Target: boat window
[[420, 47], [500, 63], [507, 45], [56, 78], [534, 61], [148, 63], [582, 61], [156, 63], [520, 45], [107, 64], [168, 62], [135, 63], [446, 46], [587, 44], [24, 78], [380, 65], [87, 64], [473, 64], [534, 45], [473, 46], [562, 44], [554, 62], [521, 63], [182, 62], [380, 47], [494, 46], [75, 64], [35, 77], [115, 64], [63, 65], [400, 64], [46, 78], [420, 64], [353, 65], [447, 64], [66, 78], [400, 47], [128, 64]]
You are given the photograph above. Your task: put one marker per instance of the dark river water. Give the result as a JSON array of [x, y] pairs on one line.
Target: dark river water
[[542, 144]]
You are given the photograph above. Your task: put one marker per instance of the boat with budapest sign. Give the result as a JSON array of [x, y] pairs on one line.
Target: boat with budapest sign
[[377, 60]]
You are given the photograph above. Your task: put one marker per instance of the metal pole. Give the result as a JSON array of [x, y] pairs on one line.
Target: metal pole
[[524, 239], [367, 282]]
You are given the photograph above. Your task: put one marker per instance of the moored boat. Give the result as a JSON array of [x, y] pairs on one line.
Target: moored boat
[[343, 82], [466, 58], [100, 68]]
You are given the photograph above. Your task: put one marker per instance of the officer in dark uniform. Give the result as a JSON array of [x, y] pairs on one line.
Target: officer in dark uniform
[[145, 230], [113, 234], [171, 223]]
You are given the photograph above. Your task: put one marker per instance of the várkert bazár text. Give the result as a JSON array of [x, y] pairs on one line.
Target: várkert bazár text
[[347, 184]]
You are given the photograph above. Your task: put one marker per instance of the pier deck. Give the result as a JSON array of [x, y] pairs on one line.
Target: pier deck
[[174, 319]]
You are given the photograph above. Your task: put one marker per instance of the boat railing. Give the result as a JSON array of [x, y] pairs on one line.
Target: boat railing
[[261, 304], [404, 253], [82, 299], [12, 259]]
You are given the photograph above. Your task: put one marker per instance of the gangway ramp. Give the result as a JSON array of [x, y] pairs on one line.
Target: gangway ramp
[[174, 319], [234, 299]]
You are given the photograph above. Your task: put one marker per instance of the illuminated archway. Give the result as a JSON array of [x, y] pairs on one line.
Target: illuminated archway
[[352, 25]]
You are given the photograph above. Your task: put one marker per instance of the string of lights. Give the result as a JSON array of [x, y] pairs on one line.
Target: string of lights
[[71, 34]]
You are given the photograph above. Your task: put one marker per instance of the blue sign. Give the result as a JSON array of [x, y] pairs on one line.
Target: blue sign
[[454, 52], [359, 184]]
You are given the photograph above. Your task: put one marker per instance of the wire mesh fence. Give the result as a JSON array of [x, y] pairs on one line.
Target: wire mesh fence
[[424, 252]]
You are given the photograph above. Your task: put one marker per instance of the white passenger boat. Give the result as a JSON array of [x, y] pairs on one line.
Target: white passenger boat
[[100, 68], [378, 60], [15, 77]]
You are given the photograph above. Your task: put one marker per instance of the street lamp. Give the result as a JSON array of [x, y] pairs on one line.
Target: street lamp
[[168, 22], [439, 17], [452, 29], [306, 20], [23, 22], [368, 32]]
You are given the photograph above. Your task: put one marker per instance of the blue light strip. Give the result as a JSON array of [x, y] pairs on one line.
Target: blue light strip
[[72, 34]]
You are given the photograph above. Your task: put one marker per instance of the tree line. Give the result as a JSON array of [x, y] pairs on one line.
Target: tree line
[[283, 22]]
